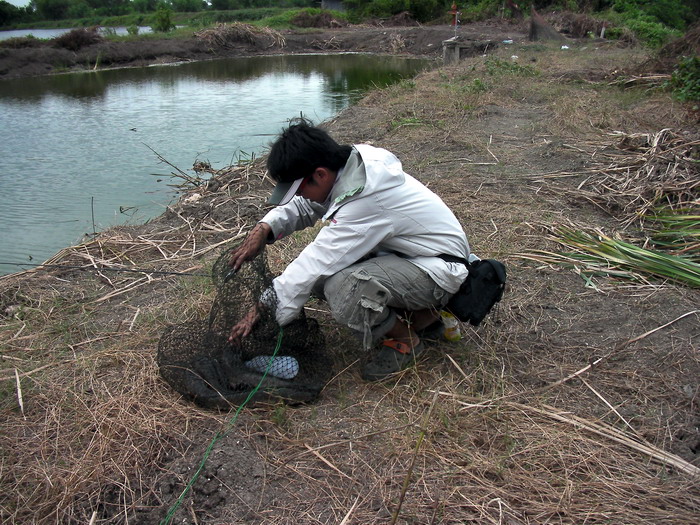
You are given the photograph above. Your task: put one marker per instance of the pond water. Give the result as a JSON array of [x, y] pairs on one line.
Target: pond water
[[46, 34], [78, 151]]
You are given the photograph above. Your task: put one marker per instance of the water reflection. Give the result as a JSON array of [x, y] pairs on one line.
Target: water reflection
[[348, 74], [45, 34], [77, 143]]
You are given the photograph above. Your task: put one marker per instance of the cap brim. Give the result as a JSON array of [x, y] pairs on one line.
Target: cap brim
[[284, 191]]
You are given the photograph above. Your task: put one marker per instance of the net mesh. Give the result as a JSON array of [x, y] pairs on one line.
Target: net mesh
[[196, 359]]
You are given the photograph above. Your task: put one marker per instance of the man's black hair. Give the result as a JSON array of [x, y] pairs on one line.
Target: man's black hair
[[301, 148]]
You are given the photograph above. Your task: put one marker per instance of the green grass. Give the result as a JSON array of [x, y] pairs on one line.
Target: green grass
[[685, 80], [497, 66], [285, 18], [594, 253], [407, 121], [677, 232]]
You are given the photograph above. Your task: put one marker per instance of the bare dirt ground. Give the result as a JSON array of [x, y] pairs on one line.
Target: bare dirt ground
[[575, 402]]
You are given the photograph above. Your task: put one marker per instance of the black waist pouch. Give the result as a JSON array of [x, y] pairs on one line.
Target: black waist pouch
[[483, 287]]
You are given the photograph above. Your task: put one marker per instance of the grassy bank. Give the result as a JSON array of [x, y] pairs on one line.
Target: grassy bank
[[577, 394], [275, 17]]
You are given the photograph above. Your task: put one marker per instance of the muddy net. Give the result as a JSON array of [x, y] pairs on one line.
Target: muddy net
[[196, 359]]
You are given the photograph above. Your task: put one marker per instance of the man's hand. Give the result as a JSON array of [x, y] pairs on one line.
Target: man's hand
[[244, 326], [251, 247]]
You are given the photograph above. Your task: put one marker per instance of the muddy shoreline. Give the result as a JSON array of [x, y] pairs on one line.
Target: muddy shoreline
[[44, 58]]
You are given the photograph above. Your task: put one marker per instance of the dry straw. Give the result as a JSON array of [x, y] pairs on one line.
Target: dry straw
[[105, 440], [228, 35], [642, 171], [97, 418]]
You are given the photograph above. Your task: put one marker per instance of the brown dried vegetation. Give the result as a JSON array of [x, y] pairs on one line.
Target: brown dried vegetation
[[226, 35], [78, 38], [571, 404]]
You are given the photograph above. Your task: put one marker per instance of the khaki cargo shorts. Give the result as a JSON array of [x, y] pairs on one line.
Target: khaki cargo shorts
[[367, 295]]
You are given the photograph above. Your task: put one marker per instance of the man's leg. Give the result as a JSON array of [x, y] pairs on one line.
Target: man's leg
[[367, 296]]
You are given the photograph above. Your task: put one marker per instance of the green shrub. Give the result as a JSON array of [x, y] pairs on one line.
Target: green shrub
[[653, 23], [162, 20], [685, 80], [476, 86], [674, 14], [421, 10], [654, 34], [497, 66], [480, 10], [286, 19]]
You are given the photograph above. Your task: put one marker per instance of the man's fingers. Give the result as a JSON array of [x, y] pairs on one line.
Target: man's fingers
[[235, 336], [233, 260], [251, 247], [241, 330]]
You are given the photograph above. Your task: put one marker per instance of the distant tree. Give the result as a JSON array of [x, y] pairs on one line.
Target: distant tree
[[9, 14], [52, 9], [187, 6], [163, 20], [110, 7], [421, 10], [79, 9], [144, 6]]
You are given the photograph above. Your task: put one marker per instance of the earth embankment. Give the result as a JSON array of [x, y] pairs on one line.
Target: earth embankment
[[43, 57]]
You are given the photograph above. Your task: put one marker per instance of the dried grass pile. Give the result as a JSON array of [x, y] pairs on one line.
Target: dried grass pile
[[229, 35], [642, 171], [577, 25], [651, 181], [403, 19], [82, 434], [396, 44], [78, 38]]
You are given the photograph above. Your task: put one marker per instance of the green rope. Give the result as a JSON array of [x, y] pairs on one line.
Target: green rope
[[219, 435]]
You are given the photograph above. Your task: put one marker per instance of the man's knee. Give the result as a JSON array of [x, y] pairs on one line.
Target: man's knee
[[356, 298]]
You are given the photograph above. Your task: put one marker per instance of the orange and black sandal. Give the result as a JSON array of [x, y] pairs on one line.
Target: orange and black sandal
[[393, 356]]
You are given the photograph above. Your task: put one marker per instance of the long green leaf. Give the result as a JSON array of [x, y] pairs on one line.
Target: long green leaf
[[602, 254]]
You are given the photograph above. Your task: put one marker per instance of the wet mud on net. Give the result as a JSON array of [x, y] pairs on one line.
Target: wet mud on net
[[196, 359]]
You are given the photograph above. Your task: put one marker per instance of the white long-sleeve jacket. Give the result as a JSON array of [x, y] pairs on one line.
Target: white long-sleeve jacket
[[374, 207]]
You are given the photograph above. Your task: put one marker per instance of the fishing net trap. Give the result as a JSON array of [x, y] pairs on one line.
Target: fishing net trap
[[197, 360]]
